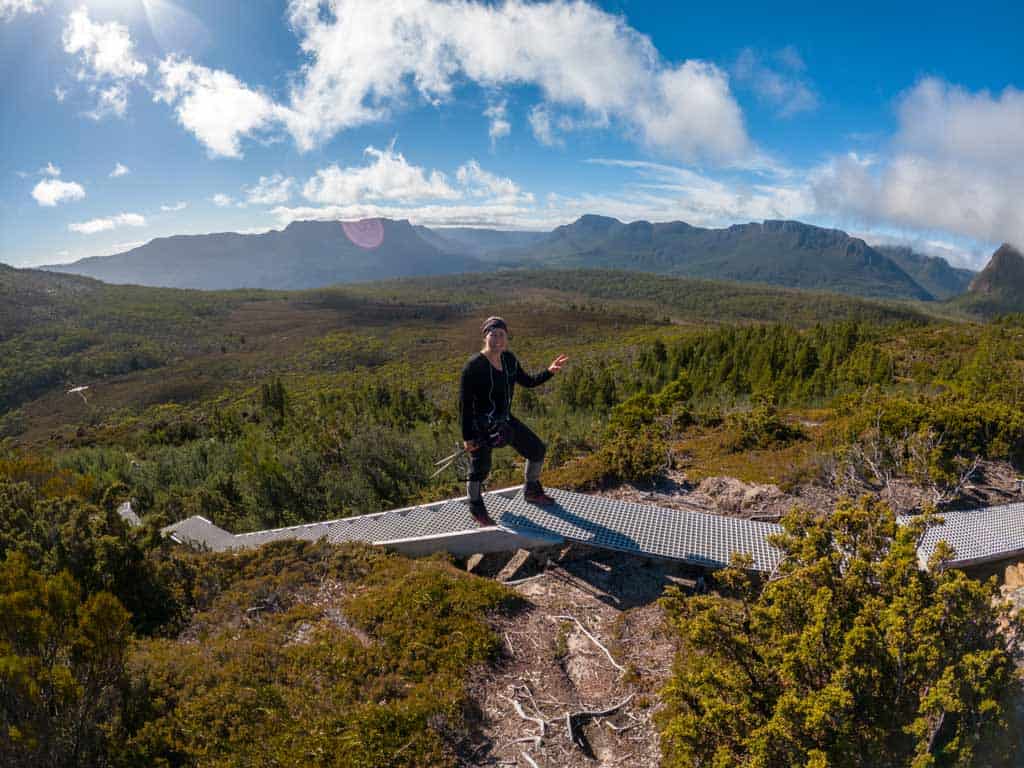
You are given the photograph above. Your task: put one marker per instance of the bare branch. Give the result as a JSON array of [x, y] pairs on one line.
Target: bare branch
[[593, 639]]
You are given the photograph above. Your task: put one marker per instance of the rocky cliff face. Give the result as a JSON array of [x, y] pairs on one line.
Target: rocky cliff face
[[1004, 274]]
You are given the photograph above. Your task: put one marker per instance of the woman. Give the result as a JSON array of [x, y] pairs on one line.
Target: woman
[[485, 403]]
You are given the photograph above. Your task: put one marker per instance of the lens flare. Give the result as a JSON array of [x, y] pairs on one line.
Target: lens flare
[[366, 233]]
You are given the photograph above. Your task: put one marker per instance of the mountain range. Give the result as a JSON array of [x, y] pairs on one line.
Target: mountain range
[[309, 254]]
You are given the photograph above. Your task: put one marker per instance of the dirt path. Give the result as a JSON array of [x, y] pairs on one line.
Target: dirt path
[[551, 666]]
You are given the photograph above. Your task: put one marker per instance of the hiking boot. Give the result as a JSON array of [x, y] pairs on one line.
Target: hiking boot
[[479, 513], [533, 493]]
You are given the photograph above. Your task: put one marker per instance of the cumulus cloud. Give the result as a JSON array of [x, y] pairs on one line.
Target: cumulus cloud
[[214, 105], [366, 59], [106, 49], [179, 206], [778, 81], [270, 190], [11, 8], [107, 57], [221, 200], [956, 166], [945, 121], [50, 170], [93, 226], [500, 126], [119, 170], [480, 183], [388, 177], [60, 93], [50, 192]]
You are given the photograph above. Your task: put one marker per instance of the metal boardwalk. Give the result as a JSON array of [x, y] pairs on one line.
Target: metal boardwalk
[[698, 538], [692, 537]]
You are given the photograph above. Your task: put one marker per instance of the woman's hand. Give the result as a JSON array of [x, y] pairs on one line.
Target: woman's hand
[[471, 446], [557, 363]]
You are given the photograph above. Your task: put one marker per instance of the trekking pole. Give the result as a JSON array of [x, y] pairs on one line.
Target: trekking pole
[[447, 461]]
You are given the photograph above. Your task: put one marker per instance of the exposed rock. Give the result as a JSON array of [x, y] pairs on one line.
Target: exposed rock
[[522, 564], [487, 564], [1013, 576], [731, 496]]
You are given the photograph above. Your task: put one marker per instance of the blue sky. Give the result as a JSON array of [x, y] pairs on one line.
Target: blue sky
[[125, 120]]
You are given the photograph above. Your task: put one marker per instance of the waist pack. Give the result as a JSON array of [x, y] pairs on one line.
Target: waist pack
[[496, 433]]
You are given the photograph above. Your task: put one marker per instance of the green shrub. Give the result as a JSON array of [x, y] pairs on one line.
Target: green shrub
[[760, 428], [853, 656]]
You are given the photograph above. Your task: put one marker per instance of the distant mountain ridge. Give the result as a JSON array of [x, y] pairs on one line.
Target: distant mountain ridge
[[305, 254], [788, 253], [933, 273], [309, 254]]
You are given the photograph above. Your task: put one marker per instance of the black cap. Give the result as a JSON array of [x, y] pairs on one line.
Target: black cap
[[493, 322]]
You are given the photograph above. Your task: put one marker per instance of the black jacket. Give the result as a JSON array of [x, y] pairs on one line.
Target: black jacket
[[486, 393]]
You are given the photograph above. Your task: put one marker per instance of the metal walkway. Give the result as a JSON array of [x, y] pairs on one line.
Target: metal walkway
[[696, 538], [692, 537]]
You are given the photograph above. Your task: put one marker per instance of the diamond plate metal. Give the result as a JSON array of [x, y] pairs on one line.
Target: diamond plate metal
[[701, 539], [433, 520], [708, 540], [977, 536]]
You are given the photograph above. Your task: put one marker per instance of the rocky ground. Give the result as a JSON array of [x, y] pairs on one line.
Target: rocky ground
[[583, 664], [995, 482]]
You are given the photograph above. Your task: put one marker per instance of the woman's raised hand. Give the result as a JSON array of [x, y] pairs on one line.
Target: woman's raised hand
[[557, 363]]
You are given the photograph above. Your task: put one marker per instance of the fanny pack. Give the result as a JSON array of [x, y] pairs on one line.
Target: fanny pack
[[496, 432]]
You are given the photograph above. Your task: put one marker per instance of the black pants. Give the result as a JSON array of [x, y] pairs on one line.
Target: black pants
[[522, 438]]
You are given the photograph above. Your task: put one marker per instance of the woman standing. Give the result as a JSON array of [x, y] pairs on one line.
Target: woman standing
[[485, 404]]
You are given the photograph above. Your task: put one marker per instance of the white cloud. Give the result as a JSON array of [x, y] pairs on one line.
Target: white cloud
[[480, 183], [119, 170], [52, 191], [500, 126], [480, 215], [221, 200], [388, 177], [782, 85], [540, 123], [668, 192], [271, 190], [175, 207], [107, 49], [214, 105], [941, 120], [110, 102], [11, 8], [366, 59], [93, 226], [60, 93], [107, 55], [50, 170], [956, 166], [662, 192]]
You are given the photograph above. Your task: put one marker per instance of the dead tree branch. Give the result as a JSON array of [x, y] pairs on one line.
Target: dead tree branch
[[593, 639]]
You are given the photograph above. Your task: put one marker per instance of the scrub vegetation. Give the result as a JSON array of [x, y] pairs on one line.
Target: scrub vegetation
[[264, 409]]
